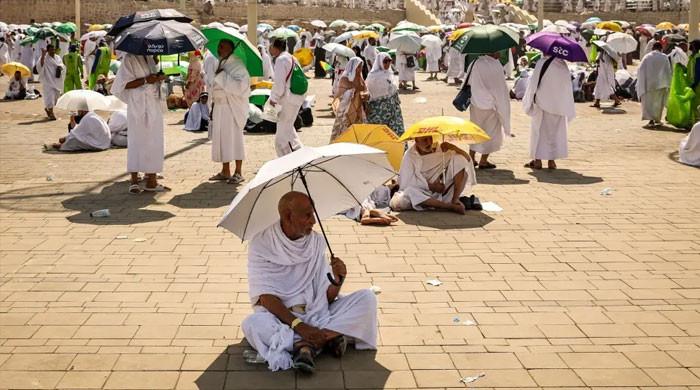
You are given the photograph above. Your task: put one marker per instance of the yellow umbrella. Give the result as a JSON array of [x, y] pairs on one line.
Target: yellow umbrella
[[664, 26], [435, 29], [376, 136], [11, 67], [96, 27], [262, 84], [446, 127], [610, 26], [366, 34], [304, 56], [457, 33]]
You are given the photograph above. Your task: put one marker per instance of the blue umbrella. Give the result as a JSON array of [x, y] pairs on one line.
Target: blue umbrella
[[144, 16], [556, 45], [294, 28], [159, 37]]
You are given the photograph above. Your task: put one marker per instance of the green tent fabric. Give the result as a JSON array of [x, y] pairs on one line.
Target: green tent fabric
[[693, 77], [680, 99]]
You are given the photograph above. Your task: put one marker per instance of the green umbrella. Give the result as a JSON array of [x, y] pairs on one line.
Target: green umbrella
[[32, 30], [28, 40], [283, 33], [259, 96], [67, 28], [45, 32], [408, 26], [243, 50], [172, 69], [486, 39]]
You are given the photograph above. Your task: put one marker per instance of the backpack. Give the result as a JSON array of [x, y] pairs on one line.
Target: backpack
[[298, 84], [410, 62]]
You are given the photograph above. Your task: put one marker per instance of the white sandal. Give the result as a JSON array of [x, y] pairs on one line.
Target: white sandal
[[135, 189], [158, 188]]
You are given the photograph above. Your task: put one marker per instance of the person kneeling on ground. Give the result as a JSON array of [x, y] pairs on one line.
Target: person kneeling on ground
[[197, 117], [374, 209], [433, 177], [17, 89], [118, 127], [298, 311], [89, 133]]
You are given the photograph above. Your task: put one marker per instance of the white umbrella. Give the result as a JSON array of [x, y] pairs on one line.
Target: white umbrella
[[93, 34], [339, 49], [621, 42], [321, 172], [353, 26], [343, 37], [555, 28], [608, 50], [83, 100], [431, 41], [283, 33], [232, 25], [215, 25], [318, 23], [404, 41]]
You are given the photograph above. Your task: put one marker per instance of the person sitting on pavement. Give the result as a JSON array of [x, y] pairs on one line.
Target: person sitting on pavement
[[298, 311], [17, 88], [118, 127], [374, 209], [90, 133], [434, 177], [197, 117]]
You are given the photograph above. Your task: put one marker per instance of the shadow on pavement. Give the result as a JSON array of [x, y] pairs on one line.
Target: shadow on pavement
[[563, 176], [125, 208], [612, 111], [209, 195], [357, 369], [445, 220], [33, 122], [498, 176], [667, 128]]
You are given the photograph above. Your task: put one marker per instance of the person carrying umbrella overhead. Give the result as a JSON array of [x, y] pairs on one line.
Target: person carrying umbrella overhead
[[605, 82]]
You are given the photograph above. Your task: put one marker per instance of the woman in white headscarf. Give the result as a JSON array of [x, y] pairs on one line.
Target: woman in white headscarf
[[384, 106], [349, 97]]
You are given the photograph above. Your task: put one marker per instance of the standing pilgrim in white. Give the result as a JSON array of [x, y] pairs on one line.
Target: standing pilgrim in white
[[26, 57], [550, 103], [52, 72], [406, 63], [433, 53], [490, 106], [605, 83], [286, 138], [455, 65], [138, 85], [653, 82], [230, 93]]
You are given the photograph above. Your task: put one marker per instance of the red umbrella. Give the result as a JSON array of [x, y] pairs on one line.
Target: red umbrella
[[464, 25]]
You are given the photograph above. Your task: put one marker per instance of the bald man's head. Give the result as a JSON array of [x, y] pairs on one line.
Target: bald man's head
[[296, 214]]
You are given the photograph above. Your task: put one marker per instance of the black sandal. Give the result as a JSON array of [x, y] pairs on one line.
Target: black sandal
[[303, 360], [487, 166], [337, 346]]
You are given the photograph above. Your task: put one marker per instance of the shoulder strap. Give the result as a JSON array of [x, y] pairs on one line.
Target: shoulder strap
[[469, 73], [544, 69], [291, 69]]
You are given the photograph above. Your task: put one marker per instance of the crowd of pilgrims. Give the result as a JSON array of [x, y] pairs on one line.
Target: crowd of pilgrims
[[365, 87]]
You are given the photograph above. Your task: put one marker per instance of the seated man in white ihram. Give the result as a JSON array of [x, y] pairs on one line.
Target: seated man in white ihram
[[689, 152], [92, 133], [298, 310], [437, 177]]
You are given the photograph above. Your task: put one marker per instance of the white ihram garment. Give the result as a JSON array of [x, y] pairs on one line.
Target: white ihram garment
[[605, 83], [490, 103], [551, 110], [432, 57], [196, 113], [230, 93], [146, 141], [406, 73], [92, 133], [653, 82], [118, 127], [288, 106], [295, 272], [690, 147], [455, 64], [418, 170], [52, 85]]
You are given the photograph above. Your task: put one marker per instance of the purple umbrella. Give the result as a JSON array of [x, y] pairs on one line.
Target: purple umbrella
[[556, 45]]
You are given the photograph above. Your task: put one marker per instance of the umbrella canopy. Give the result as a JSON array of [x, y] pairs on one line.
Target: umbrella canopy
[[555, 28], [646, 30], [404, 41], [675, 38], [376, 136], [352, 26], [556, 45], [318, 23], [364, 34], [339, 49], [231, 25], [96, 27], [608, 50], [82, 100], [610, 26], [146, 16], [93, 34], [431, 41], [346, 36], [326, 66], [407, 26], [435, 28], [173, 68], [283, 33], [265, 27], [593, 19], [159, 37], [486, 39], [622, 43], [321, 172], [66, 28], [665, 26], [304, 55], [456, 34], [377, 26], [248, 53], [11, 67], [446, 127], [259, 96], [339, 23], [294, 28]]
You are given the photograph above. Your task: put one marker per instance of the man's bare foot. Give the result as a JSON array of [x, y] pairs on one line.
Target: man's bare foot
[[458, 208], [551, 164], [534, 164]]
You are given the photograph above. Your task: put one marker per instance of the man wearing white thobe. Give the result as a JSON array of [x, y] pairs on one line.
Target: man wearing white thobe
[[26, 57], [138, 85], [297, 308], [433, 53], [455, 65], [490, 106], [434, 177], [266, 62], [118, 128], [605, 83], [89, 51], [198, 114], [209, 64], [678, 56], [406, 72], [286, 102], [653, 82], [549, 100], [230, 93], [91, 133], [51, 72]]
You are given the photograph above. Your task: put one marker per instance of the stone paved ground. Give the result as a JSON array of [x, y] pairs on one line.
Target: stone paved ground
[[568, 288]]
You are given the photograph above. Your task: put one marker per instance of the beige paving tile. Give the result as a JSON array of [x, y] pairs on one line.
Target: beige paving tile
[[83, 380], [651, 359], [37, 362], [437, 378], [614, 377], [687, 358], [260, 380], [673, 376], [501, 378], [94, 362], [149, 362], [555, 378], [142, 380], [596, 360], [30, 379], [485, 360], [540, 360], [197, 380]]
